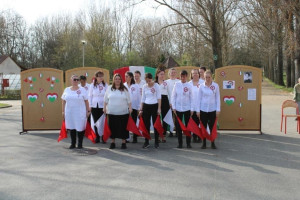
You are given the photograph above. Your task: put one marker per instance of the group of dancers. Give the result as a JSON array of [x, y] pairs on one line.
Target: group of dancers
[[197, 100]]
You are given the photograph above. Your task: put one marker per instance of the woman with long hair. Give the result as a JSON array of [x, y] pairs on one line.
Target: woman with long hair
[[171, 82], [134, 91], [165, 104], [195, 82], [208, 107], [75, 111], [150, 106], [117, 106], [96, 99]]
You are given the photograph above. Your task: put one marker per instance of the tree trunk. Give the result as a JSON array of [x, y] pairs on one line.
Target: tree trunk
[[216, 42], [293, 79], [297, 52], [288, 71], [280, 56]]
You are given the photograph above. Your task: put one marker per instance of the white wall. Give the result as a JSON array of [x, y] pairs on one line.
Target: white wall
[[8, 66]]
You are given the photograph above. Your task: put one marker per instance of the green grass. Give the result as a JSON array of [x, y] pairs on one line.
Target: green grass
[[290, 89], [3, 105]]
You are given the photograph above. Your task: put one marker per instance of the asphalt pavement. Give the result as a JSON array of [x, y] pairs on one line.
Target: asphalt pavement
[[245, 166]]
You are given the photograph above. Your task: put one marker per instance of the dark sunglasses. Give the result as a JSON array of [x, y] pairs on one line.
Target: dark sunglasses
[[75, 79]]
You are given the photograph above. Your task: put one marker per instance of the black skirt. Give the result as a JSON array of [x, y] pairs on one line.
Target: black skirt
[[118, 125]]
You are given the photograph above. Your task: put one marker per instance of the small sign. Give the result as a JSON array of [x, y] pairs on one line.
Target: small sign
[[251, 94], [228, 85]]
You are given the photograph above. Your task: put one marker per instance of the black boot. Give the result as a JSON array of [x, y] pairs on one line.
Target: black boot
[[97, 140], [124, 146], [80, 139], [204, 144], [73, 139], [103, 142], [188, 142], [134, 138], [213, 146], [194, 138]]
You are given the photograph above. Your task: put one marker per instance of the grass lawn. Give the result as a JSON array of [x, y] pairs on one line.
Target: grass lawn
[[279, 86], [3, 105]]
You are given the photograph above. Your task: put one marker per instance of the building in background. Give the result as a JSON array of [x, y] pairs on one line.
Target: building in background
[[9, 74]]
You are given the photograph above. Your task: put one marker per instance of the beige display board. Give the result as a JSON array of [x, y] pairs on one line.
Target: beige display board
[[179, 69], [41, 91], [240, 94], [89, 72]]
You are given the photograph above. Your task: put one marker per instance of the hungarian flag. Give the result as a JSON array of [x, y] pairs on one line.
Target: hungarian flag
[[194, 128], [142, 69], [213, 134], [142, 128], [89, 133], [63, 132], [169, 119], [131, 126], [159, 128], [183, 128], [106, 131]]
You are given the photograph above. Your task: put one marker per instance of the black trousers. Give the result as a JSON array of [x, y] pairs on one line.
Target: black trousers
[[134, 115], [208, 118], [150, 111], [73, 134], [186, 115], [196, 119], [165, 107]]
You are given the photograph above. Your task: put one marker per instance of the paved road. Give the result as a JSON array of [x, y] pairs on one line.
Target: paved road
[[246, 165]]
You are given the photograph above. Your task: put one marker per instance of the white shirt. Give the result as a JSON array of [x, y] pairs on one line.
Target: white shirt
[[75, 109], [141, 84], [163, 87], [171, 84], [151, 95], [201, 80], [209, 98], [195, 91], [181, 99], [134, 91], [86, 87], [117, 101], [96, 95]]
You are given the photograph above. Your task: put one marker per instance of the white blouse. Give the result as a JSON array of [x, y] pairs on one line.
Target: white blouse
[[86, 87], [96, 95], [151, 95], [171, 84], [141, 84], [75, 108], [181, 99], [195, 91], [117, 101], [163, 88], [209, 98], [134, 91]]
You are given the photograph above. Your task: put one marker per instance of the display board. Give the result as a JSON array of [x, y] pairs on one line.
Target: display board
[[179, 69], [240, 94], [89, 72], [41, 90]]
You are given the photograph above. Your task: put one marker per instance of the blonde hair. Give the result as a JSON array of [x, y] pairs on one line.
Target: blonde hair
[[73, 76], [208, 72]]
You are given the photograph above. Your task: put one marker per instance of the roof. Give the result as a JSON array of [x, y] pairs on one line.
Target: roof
[[170, 62], [4, 57]]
